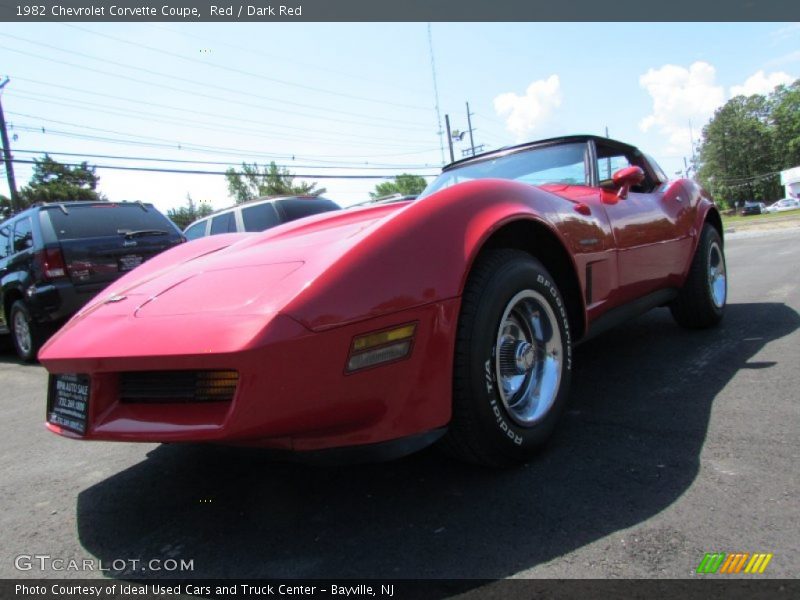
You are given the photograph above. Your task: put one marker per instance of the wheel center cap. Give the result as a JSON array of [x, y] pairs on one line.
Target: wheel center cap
[[525, 356]]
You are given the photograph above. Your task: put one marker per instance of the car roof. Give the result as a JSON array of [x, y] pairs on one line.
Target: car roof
[[261, 200], [566, 139], [68, 204]]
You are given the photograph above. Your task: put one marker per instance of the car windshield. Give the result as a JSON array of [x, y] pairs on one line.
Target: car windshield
[[561, 164]]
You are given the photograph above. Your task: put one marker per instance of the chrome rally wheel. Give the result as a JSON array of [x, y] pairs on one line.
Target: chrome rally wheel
[[528, 354]]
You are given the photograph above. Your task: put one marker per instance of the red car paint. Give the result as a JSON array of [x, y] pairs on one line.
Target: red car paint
[[282, 308]]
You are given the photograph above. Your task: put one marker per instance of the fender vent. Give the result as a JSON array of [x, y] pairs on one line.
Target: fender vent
[[177, 386]]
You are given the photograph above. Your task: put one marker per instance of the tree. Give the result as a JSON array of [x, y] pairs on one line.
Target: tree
[[785, 116], [53, 181], [189, 213], [253, 182], [6, 207], [737, 154], [405, 184]]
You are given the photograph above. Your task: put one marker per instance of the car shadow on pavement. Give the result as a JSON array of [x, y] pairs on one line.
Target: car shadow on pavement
[[627, 447]]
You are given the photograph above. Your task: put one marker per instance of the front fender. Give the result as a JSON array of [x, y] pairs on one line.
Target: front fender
[[420, 254]]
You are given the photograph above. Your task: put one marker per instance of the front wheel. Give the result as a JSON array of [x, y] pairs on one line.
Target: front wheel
[[512, 361], [701, 301]]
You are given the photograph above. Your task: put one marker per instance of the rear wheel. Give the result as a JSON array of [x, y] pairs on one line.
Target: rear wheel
[[701, 301], [512, 361], [25, 332]]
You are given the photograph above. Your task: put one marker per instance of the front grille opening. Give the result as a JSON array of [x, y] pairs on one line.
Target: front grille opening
[[177, 386]]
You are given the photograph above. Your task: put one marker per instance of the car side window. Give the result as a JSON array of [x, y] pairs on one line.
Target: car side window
[[611, 159], [5, 235], [197, 230], [224, 223], [259, 217], [23, 235]]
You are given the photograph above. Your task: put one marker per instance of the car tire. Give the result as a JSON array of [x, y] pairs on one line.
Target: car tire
[[701, 300], [26, 334], [512, 363]]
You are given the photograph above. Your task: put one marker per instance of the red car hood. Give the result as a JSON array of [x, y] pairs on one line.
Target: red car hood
[[239, 273]]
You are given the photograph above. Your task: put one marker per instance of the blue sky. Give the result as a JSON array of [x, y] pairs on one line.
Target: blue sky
[[354, 98]]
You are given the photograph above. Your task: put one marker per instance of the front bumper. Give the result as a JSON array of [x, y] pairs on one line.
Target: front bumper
[[293, 392]]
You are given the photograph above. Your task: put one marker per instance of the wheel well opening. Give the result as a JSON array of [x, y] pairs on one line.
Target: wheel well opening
[[8, 300], [538, 241], [715, 220]]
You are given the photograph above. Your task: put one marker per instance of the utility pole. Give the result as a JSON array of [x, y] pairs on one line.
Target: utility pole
[[449, 137], [469, 124], [12, 184], [436, 95]]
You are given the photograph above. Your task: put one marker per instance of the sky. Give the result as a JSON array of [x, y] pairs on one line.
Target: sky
[[354, 100]]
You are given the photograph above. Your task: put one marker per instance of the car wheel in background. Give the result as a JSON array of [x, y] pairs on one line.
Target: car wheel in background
[[512, 361], [701, 300], [25, 333]]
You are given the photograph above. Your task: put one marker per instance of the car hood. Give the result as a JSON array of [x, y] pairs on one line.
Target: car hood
[[239, 273]]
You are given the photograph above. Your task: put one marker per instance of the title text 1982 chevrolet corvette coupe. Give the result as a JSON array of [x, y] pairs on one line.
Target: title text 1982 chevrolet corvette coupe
[[386, 328]]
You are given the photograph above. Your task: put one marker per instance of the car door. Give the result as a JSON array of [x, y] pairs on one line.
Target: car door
[[651, 224]]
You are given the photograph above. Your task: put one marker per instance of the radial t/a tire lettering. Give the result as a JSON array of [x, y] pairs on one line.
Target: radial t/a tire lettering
[[512, 361]]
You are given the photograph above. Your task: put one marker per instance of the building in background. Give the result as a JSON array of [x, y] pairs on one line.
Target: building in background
[[790, 179]]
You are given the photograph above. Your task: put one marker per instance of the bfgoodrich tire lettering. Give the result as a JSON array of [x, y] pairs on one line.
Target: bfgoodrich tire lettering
[[512, 362]]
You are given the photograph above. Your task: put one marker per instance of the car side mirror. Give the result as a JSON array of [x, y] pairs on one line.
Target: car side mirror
[[625, 178]]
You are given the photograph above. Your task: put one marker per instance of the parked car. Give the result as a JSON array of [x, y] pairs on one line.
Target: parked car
[[55, 257], [783, 205], [259, 215], [380, 330], [753, 208]]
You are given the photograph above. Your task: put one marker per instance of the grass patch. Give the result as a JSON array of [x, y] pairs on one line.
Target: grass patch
[[760, 218]]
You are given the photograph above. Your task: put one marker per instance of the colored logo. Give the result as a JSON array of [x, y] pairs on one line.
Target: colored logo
[[735, 562]]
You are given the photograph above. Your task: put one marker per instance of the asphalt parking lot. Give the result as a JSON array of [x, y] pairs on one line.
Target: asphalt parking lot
[[675, 443]]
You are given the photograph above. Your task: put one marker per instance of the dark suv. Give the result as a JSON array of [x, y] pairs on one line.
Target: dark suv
[[54, 258]]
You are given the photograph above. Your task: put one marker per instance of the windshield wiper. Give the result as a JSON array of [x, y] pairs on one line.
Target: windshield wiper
[[140, 232]]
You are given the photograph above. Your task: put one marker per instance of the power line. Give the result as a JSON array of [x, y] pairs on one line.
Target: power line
[[206, 172], [198, 124], [260, 53], [184, 109], [153, 142], [230, 69], [212, 162], [194, 93]]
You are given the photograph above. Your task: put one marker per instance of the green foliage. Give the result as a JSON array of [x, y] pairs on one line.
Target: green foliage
[[6, 208], [405, 184], [747, 142], [786, 121], [253, 182], [56, 182], [189, 213]]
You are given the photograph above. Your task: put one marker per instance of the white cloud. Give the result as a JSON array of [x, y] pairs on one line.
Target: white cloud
[[681, 95], [761, 83], [524, 114]]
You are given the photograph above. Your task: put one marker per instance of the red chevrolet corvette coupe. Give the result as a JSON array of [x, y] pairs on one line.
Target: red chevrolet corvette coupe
[[382, 329]]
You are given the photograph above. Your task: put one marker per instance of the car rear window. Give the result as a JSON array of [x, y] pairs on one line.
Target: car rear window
[[259, 217], [106, 219], [297, 208]]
